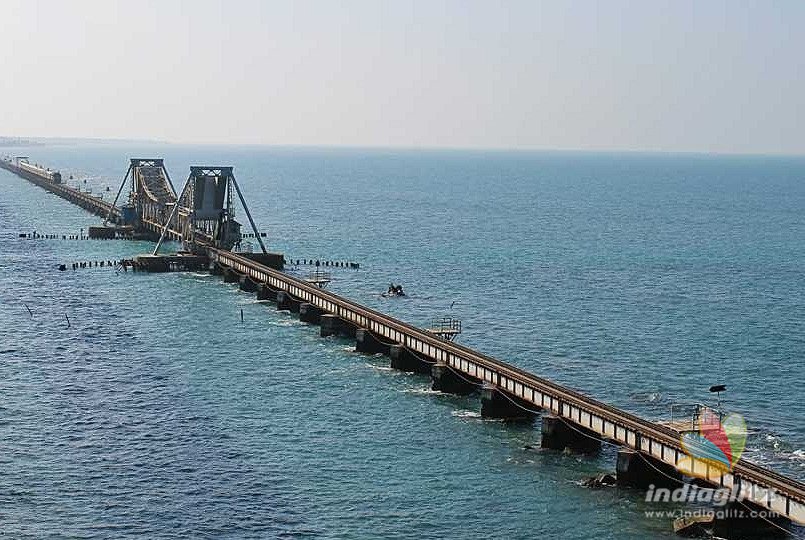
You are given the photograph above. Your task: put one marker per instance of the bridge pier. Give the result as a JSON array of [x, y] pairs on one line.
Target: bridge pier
[[636, 469], [496, 404], [348, 329], [405, 360], [287, 302], [367, 342], [330, 325], [744, 525], [309, 313], [246, 284], [216, 269], [558, 435], [231, 276], [264, 292], [444, 379]]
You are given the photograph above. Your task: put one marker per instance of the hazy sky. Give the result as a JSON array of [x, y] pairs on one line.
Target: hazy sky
[[643, 75]]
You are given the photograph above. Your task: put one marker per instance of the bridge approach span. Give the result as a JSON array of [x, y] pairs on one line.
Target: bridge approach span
[[763, 487]]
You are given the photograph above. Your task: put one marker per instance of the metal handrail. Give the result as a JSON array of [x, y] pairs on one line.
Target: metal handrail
[[661, 433], [445, 324]]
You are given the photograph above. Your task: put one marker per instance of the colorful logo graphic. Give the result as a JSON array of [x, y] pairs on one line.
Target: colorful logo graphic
[[717, 446]]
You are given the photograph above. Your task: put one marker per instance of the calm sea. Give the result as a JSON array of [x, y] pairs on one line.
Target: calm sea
[[638, 279]]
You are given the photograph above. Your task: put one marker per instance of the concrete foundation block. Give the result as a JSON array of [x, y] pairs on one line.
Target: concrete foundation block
[[496, 404], [264, 292], [405, 360], [558, 435], [246, 284], [287, 302], [636, 469], [369, 343], [330, 325], [309, 313], [738, 522], [444, 379], [231, 276], [348, 329]]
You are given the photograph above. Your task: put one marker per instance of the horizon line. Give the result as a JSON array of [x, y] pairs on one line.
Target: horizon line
[[332, 146]]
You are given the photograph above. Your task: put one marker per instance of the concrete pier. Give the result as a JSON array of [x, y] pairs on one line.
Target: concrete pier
[[231, 276], [368, 343], [444, 379], [348, 329], [264, 292], [309, 313], [636, 469], [558, 435], [496, 404], [746, 526], [286, 302], [330, 325], [246, 284], [405, 360]]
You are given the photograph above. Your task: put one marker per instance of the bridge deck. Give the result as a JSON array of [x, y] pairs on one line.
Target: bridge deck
[[759, 485], [86, 201]]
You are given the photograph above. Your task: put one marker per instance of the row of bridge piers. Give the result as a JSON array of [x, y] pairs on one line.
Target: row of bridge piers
[[633, 469], [153, 199]]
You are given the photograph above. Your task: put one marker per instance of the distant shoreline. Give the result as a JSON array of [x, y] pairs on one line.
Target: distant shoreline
[[13, 142], [10, 142]]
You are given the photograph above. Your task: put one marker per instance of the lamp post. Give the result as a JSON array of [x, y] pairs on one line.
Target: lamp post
[[717, 389]]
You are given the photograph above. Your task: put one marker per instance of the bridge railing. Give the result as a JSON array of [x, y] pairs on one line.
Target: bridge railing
[[661, 442]]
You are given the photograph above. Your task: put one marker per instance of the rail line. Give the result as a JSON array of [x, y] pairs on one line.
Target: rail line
[[757, 484], [763, 487]]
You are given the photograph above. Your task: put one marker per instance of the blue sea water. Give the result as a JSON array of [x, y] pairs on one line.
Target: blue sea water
[[638, 279]]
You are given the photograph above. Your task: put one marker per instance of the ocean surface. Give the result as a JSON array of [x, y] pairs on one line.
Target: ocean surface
[[638, 279]]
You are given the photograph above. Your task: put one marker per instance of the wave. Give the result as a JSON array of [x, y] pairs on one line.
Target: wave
[[378, 368], [422, 391], [461, 413]]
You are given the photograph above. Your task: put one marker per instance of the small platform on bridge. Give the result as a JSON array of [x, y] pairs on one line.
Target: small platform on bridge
[[319, 279], [446, 328], [692, 417]]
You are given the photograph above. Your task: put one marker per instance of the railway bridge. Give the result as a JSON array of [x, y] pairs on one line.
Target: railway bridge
[[651, 451], [201, 215]]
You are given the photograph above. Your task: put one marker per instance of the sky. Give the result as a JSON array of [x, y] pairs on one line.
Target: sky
[[643, 75]]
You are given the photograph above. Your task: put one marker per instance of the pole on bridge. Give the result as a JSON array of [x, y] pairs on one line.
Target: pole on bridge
[[170, 217], [173, 189], [119, 191], [248, 214], [168, 178]]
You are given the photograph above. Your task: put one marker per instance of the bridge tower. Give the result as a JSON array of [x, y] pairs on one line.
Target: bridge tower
[[205, 213], [151, 196]]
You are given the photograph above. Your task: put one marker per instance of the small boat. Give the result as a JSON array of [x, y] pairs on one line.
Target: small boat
[[394, 290]]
